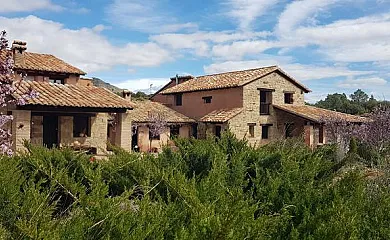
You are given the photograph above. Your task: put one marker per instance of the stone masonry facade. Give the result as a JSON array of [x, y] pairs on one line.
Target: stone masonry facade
[[251, 109]]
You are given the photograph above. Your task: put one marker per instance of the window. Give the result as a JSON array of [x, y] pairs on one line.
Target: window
[[289, 128], [288, 98], [81, 126], [179, 99], [251, 129], [174, 130], [30, 78], [265, 101], [153, 137], [264, 131], [207, 99], [58, 81]]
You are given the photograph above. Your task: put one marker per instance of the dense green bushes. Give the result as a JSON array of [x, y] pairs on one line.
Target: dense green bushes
[[207, 189]]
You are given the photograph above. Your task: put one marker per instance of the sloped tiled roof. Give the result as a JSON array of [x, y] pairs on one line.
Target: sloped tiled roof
[[43, 62], [143, 109], [227, 80], [318, 114], [221, 115], [64, 95]]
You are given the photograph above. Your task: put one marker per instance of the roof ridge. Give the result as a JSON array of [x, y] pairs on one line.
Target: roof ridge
[[236, 71], [42, 54]]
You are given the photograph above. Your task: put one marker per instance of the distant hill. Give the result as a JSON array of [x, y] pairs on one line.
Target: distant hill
[[100, 83]]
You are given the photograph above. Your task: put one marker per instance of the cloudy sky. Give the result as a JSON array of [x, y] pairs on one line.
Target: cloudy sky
[[329, 45]]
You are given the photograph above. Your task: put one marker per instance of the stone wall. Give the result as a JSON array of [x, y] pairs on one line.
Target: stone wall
[[123, 131], [251, 110], [21, 128], [98, 137]]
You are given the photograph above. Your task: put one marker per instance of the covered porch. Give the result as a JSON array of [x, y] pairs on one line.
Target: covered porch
[[154, 125], [71, 116], [309, 122]]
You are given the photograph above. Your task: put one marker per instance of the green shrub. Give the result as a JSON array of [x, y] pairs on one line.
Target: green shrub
[[206, 189]]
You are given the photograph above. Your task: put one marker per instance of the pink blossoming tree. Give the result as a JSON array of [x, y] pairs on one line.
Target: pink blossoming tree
[[8, 88]]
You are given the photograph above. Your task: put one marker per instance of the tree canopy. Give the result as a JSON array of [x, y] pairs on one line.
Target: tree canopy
[[358, 102]]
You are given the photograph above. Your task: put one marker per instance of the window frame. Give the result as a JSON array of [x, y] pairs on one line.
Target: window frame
[[251, 129], [207, 99], [265, 96], [290, 99], [56, 81], [267, 127], [79, 120], [178, 99]]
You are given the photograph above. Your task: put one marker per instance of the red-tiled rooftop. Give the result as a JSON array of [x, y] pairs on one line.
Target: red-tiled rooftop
[[143, 109], [318, 114], [227, 80], [43, 62], [64, 95], [221, 115]]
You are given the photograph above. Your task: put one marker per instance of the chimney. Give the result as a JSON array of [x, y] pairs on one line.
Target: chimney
[[180, 79], [18, 48], [126, 94]]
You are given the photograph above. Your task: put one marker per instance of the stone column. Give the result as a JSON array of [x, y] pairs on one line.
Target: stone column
[[99, 132], [123, 132], [66, 130], [21, 128]]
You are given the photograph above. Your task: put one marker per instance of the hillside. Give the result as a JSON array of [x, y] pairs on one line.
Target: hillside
[[100, 83]]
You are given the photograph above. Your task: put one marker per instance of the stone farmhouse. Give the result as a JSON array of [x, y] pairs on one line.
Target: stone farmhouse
[[260, 105]]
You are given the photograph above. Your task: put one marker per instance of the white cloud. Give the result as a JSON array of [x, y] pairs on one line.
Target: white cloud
[[28, 5], [299, 71], [145, 16], [355, 40], [299, 11], [369, 83], [239, 49], [358, 40], [247, 11], [143, 84], [85, 48], [201, 42]]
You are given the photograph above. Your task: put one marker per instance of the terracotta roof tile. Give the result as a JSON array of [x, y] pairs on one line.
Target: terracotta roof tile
[[227, 80], [143, 108], [64, 95], [317, 114], [43, 62], [221, 115]]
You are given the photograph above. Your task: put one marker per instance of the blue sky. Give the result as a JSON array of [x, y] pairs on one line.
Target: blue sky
[[328, 45]]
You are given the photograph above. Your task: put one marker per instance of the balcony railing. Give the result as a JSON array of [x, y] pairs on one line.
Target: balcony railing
[[264, 108]]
